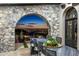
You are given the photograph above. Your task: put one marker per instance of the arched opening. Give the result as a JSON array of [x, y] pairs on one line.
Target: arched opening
[[30, 26], [71, 27]]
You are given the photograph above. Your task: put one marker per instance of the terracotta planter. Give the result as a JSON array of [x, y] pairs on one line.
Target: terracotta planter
[[54, 46]]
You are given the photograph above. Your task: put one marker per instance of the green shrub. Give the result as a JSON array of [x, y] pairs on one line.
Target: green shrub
[[51, 42]]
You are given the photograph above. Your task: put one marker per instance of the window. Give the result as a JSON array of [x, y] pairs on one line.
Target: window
[[71, 13]]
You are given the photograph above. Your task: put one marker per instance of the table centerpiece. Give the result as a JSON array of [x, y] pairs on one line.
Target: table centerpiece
[[51, 43]]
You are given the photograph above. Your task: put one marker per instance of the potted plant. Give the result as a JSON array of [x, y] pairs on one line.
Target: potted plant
[[51, 42]]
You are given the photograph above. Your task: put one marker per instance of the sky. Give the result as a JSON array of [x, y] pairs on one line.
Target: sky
[[31, 19]]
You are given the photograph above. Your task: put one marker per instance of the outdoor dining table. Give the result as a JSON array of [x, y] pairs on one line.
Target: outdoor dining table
[[61, 51], [58, 51]]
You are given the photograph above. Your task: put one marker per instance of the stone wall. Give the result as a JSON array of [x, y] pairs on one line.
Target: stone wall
[[9, 16]]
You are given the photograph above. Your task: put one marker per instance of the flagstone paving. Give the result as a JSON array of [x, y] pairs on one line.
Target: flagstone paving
[[19, 52], [63, 51]]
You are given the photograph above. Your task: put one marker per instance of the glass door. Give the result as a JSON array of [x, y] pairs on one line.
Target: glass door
[[75, 33], [68, 34], [71, 28], [71, 33]]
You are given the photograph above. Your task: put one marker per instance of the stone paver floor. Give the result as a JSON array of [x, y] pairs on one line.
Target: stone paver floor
[[19, 52], [63, 51]]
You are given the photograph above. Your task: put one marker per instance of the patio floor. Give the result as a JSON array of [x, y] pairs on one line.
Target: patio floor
[[19, 52], [62, 51]]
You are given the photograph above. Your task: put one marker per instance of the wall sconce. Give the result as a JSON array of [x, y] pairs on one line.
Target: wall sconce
[[63, 6]]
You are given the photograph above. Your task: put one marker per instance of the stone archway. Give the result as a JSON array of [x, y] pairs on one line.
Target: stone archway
[[23, 30]]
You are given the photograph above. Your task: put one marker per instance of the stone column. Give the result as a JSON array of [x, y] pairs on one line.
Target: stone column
[[21, 34]]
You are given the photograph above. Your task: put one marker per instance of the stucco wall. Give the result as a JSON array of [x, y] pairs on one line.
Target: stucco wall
[[9, 16]]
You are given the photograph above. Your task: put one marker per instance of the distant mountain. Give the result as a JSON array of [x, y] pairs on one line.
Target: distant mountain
[[32, 23]]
